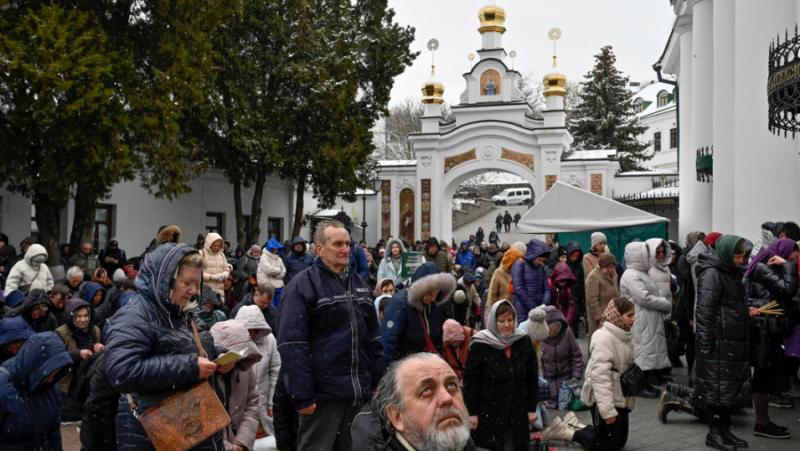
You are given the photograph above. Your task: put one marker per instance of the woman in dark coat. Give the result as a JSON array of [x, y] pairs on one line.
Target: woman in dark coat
[[722, 380], [150, 348], [771, 276], [29, 395], [501, 383], [414, 318]]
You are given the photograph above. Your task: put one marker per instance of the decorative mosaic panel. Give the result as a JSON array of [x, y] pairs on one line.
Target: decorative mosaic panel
[[426, 208], [524, 159], [386, 208], [597, 183], [549, 181], [455, 160]]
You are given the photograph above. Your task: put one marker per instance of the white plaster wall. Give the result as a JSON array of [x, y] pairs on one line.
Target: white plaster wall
[[15, 216], [662, 122]]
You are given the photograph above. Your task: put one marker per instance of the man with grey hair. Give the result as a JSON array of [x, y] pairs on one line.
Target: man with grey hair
[[85, 259], [74, 281], [420, 405], [329, 333]]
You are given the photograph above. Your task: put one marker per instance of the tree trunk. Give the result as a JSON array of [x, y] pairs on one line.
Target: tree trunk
[[237, 208], [83, 222], [298, 207], [255, 208], [47, 219]]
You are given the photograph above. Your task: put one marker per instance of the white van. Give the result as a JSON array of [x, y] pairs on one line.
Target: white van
[[512, 196]]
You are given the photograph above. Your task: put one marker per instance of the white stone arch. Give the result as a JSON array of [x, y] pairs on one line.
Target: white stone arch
[[465, 171]]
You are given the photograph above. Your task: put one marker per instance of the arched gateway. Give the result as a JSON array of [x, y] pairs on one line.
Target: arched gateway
[[493, 130]]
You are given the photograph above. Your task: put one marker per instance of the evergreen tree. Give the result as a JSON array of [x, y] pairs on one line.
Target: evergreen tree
[[605, 117]]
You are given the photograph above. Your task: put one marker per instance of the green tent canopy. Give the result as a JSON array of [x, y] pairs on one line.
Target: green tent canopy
[[573, 214]]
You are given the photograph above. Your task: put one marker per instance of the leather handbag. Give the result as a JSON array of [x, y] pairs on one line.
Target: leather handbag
[[633, 380], [185, 419]]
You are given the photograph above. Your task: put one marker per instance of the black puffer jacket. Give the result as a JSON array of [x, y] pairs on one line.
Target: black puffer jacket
[[97, 425], [763, 285], [722, 376]]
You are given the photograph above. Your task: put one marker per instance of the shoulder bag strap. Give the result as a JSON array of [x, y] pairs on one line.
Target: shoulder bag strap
[[200, 351]]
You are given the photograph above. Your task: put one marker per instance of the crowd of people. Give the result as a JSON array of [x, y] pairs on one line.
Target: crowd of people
[[465, 351]]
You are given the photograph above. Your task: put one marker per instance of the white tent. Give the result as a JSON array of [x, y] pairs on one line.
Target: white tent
[[565, 208]]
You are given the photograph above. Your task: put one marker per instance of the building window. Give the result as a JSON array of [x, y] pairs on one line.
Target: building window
[[663, 98], [673, 138], [657, 141], [638, 105], [103, 226], [275, 228], [215, 222]]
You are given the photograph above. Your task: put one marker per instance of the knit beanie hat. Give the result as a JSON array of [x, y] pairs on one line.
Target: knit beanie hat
[[119, 276], [520, 246], [459, 296], [606, 259], [711, 238], [598, 237], [537, 328], [453, 332]]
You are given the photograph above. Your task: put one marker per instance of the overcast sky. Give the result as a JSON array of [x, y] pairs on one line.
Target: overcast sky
[[638, 30]]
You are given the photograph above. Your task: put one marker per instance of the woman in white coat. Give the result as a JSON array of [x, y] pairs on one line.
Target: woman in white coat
[[31, 272], [271, 269], [649, 339], [392, 264], [270, 364], [215, 266]]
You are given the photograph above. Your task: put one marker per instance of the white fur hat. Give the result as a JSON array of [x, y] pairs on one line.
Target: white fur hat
[[459, 296]]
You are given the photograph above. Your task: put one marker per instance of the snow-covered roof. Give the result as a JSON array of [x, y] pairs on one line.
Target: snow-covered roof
[[647, 172], [649, 96], [364, 192], [388, 163], [494, 178], [663, 191], [592, 154]]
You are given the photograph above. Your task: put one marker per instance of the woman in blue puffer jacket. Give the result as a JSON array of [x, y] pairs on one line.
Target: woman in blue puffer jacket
[[150, 348], [29, 395], [529, 279]]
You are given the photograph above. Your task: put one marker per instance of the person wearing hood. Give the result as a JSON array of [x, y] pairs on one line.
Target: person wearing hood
[[36, 312], [391, 266], [465, 258], [494, 238], [31, 272], [238, 384], [561, 283], [575, 263], [769, 233], [435, 253], [332, 340], [151, 351], [29, 395], [93, 293], [649, 339], [8, 255], [498, 223], [529, 279], [298, 259], [248, 264], [722, 367], [602, 286], [268, 368], [661, 257], [501, 383], [684, 311], [771, 277], [210, 311], [599, 246], [414, 318], [271, 269], [456, 339], [112, 257], [501, 279], [464, 302], [13, 333], [561, 356], [215, 265], [82, 340], [610, 354]]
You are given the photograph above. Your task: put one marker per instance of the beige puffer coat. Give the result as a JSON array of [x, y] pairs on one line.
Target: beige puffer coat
[[270, 364], [28, 275], [600, 290], [271, 270], [244, 397], [610, 354], [215, 267]]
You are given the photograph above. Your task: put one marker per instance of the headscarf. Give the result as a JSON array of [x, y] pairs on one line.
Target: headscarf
[[782, 247], [612, 315], [491, 336], [691, 239]]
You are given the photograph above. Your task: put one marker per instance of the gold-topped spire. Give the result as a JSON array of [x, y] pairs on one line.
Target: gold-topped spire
[[432, 90], [555, 83], [493, 18]]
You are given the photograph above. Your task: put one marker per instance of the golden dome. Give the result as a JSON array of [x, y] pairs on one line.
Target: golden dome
[[433, 89], [555, 83], [493, 18]]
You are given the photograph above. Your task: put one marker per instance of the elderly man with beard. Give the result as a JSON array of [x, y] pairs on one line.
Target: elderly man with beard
[[420, 403]]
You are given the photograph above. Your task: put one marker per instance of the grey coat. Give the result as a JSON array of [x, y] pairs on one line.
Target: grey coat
[[649, 339]]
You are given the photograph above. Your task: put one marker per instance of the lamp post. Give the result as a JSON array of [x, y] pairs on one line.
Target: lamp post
[[371, 182]]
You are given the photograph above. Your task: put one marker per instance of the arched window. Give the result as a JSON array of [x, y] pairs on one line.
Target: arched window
[[490, 83], [663, 98], [638, 105]]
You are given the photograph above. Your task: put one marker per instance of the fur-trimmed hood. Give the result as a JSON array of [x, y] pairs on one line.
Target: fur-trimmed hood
[[427, 278]]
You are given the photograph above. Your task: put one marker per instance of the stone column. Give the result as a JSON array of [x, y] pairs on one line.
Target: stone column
[[702, 132], [724, 122], [688, 214]]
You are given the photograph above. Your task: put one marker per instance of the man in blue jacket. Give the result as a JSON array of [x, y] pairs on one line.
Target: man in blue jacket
[[297, 259], [530, 279], [329, 332], [465, 257]]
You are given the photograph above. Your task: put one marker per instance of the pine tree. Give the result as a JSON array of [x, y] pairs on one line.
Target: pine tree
[[605, 117]]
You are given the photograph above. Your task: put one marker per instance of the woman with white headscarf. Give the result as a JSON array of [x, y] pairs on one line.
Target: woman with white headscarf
[[501, 382]]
